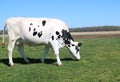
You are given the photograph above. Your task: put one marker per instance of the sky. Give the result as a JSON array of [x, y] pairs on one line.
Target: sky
[[75, 13]]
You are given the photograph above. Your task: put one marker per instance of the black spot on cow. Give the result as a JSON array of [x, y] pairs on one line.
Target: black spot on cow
[[52, 37], [29, 29], [34, 33], [77, 49], [69, 45], [67, 42], [38, 26], [67, 35], [73, 45], [31, 24], [59, 36], [40, 34], [43, 22], [57, 33], [34, 29]]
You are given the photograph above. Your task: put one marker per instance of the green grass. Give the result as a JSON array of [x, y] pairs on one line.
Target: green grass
[[100, 62]]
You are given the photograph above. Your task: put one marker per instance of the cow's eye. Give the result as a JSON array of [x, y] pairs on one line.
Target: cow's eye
[[73, 45]]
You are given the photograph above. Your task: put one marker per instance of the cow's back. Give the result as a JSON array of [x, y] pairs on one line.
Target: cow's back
[[35, 30], [40, 30]]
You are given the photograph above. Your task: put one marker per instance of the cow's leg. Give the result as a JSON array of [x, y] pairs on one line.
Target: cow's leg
[[11, 45], [56, 51], [21, 50], [46, 49]]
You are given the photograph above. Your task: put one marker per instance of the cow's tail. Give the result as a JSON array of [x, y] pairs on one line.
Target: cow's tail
[[3, 39]]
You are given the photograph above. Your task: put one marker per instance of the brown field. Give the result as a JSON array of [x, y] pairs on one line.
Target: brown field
[[96, 34], [92, 34]]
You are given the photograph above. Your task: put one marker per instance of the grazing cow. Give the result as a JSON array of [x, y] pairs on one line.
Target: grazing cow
[[37, 31]]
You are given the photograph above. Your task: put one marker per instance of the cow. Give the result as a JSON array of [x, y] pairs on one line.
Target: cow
[[53, 33]]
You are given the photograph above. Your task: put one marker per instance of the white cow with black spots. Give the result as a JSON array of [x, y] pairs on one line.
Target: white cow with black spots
[[37, 31]]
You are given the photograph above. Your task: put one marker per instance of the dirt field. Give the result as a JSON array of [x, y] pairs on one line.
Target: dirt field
[[96, 34], [92, 34]]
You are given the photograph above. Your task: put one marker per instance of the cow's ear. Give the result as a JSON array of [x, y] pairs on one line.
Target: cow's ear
[[79, 44]]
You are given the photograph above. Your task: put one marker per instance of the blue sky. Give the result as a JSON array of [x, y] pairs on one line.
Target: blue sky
[[76, 13]]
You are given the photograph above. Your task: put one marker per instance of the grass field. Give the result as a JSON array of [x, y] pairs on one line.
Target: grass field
[[100, 62]]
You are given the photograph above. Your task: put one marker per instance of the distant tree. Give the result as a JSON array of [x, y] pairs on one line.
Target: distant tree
[[96, 28]]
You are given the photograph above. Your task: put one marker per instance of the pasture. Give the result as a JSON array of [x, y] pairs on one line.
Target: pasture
[[100, 62]]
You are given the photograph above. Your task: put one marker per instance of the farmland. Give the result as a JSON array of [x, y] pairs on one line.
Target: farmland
[[96, 34], [100, 62]]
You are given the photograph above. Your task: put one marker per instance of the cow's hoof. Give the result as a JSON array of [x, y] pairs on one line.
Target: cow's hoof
[[59, 64], [43, 61], [27, 62], [11, 64]]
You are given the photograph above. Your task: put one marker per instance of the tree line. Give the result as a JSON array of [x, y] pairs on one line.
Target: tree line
[[88, 29], [96, 28], [1, 32]]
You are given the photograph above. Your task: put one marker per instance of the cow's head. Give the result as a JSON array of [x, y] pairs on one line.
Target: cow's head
[[73, 46]]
